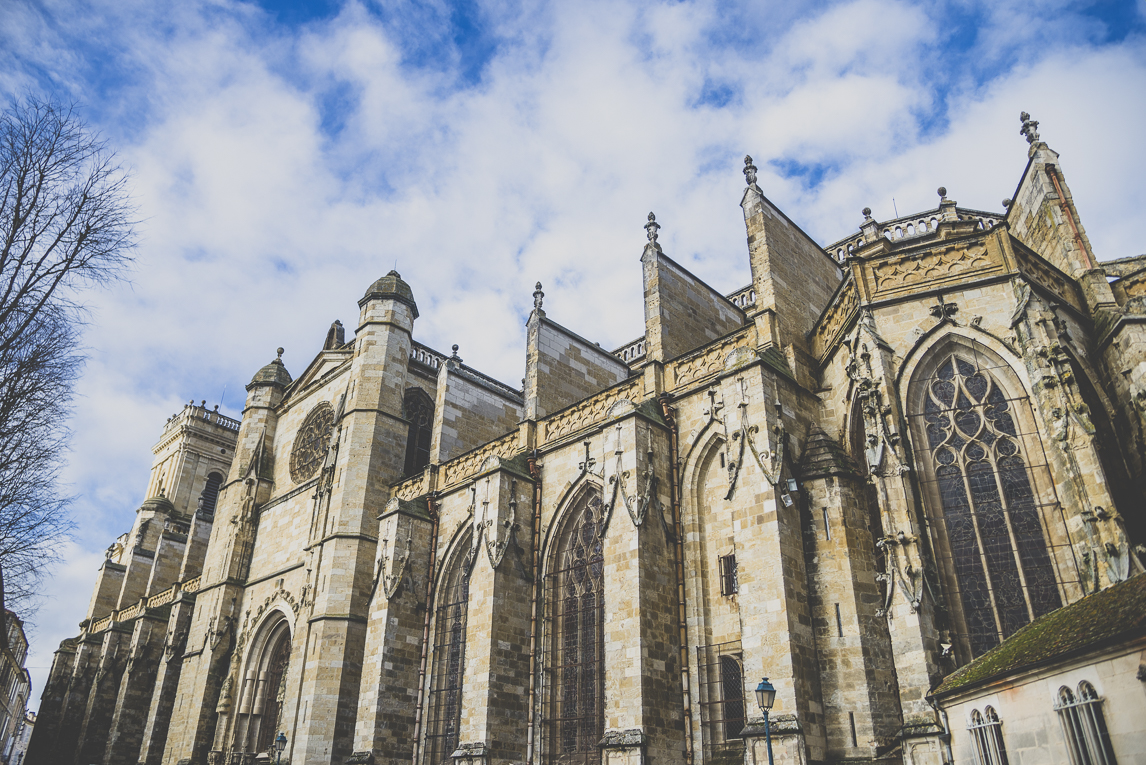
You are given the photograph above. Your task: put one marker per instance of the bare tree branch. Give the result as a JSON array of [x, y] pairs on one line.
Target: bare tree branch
[[66, 223]]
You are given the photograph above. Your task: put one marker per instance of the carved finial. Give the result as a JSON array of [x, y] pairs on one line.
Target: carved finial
[[538, 296], [651, 228], [867, 213], [942, 192], [279, 351], [1007, 204], [455, 350], [1030, 128], [749, 171]]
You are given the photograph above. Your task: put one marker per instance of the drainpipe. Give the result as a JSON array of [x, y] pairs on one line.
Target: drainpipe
[[942, 714], [432, 506], [1069, 218], [682, 614], [535, 472]]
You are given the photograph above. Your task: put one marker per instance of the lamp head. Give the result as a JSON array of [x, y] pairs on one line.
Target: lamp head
[[765, 695], [280, 741]]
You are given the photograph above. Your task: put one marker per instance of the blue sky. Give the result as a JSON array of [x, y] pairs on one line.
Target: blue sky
[[286, 154]]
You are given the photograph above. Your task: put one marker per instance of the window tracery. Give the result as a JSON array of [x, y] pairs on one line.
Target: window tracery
[[981, 484], [1084, 726], [576, 720], [445, 701]]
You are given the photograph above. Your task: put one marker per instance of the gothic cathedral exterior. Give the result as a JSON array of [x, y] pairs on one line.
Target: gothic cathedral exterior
[[855, 475]]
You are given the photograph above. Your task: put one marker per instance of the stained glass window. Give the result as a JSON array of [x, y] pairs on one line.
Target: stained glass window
[[577, 701], [994, 533], [445, 702]]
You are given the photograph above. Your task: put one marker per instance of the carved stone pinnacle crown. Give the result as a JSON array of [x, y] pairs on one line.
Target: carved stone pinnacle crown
[[1030, 128], [538, 296], [749, 170], [651, 228]]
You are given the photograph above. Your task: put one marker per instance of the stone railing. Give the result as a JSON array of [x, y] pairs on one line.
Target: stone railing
[[634, 350], [910, 226], [155, 601], [424, 354], [743, 297], [200, 412]]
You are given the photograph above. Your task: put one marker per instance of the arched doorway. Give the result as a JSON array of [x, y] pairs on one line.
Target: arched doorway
[[264, 689]]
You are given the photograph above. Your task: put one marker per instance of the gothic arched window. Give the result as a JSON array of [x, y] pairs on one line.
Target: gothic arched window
[[418, 409], [987, 738], [977, 475], [445, 705], [1084, 726], [210, 495], [576, 720]]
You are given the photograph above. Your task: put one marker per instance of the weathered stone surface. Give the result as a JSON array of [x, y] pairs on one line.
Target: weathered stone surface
[[769, 473]]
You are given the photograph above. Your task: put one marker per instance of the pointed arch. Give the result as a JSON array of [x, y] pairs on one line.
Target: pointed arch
[[263, 683], [574, 711], [451, 617], [998, 530]]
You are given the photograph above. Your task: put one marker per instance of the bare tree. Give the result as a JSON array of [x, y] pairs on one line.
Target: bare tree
[[65, 225]]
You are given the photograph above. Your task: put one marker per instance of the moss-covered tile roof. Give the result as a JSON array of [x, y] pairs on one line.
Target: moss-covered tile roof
[[1104, 618]]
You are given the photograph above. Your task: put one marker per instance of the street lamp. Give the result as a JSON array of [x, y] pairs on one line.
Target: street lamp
[[765, 697], [280, 745]]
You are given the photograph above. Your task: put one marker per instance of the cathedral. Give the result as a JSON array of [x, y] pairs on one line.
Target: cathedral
[[858, 477]]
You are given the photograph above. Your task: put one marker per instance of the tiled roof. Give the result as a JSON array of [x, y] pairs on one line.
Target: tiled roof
[[1104, 618]]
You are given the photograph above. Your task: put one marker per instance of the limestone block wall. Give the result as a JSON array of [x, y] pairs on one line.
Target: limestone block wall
[[563, 368], [682, 313], [469, 411], [1036, 217], [793, 277], [391, 656], [105, 596], [1025, 703]]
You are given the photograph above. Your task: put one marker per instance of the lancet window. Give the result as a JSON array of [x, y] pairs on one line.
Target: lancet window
[[977, 468], [419, 411], [1084, 726], [576, 584], [445, 700]]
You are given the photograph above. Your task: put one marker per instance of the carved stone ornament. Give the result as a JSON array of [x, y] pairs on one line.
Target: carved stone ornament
[[311, 442], [638, 504], [494, 522], [395, 540], [743, 440]]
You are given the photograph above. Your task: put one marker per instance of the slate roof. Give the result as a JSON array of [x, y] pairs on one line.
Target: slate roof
[[1104, 618]]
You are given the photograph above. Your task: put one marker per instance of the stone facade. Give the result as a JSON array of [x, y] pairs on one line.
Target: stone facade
[[854, 475]]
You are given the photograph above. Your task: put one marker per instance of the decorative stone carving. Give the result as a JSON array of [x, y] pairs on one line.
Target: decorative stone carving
[[590, 412], [908, 272], [311, 442], [638, 505], [396, 538], [744, 439], [470, 464], [708, 362]]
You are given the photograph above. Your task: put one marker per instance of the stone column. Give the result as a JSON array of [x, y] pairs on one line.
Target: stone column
[[496, 679], [861, 705], [644, 716], [136, 689], [385, 725]]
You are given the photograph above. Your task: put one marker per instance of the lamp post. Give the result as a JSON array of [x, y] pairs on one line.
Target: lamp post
[[280, 745], [765, 697]]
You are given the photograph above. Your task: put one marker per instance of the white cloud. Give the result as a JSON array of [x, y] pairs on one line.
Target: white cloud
[[280, 171]]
